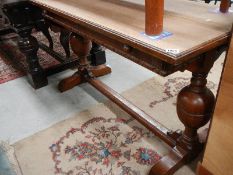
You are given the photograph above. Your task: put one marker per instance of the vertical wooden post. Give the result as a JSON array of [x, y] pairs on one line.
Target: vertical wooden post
[[29, 46], [195, 104], [154, 10], [224, 6]]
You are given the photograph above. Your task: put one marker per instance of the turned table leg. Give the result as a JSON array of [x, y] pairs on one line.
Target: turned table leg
[[82, 47], [29, 46], [97, 56], [44, 28], [64, 37], [195, 105], [98, 61], [64, 40]]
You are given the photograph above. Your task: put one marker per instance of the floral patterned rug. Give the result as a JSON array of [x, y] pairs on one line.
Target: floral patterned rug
[[95, 142], [10, 55], [104, 140]]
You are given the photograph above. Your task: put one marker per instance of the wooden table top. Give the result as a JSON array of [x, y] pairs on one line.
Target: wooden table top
[[194, 25]]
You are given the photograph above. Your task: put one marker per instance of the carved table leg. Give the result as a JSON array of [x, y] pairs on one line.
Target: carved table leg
[[195, 105], [44, 28], [82, 47], [64, 37], [98, 56], [98, 65], [98, 61], [29, 46], [64, 40]]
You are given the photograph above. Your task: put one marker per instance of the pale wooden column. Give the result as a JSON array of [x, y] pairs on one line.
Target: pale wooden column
[[224, 6], [154, 10], [218, 156]]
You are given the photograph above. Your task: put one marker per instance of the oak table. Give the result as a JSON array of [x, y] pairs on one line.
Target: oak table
[[195, 35]]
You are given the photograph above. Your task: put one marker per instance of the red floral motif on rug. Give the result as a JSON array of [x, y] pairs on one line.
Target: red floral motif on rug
[[13, 63], [104, 147]]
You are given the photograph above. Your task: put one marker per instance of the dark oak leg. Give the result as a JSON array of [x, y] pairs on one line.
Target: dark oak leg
[[29, 46], [82, 48], [64, 40], [97, 56], [195, 105], [44, 28], [98, 61]]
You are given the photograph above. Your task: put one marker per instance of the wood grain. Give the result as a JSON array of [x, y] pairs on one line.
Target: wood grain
[[218, 157], [191, 23], [154, 16], [225, 5], [202, 170]]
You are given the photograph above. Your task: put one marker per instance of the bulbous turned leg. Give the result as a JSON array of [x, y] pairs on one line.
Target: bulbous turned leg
[[82, 47], [29, 46], [195, 104]]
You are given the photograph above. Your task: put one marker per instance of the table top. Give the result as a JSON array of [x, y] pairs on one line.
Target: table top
[[193, 25]]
